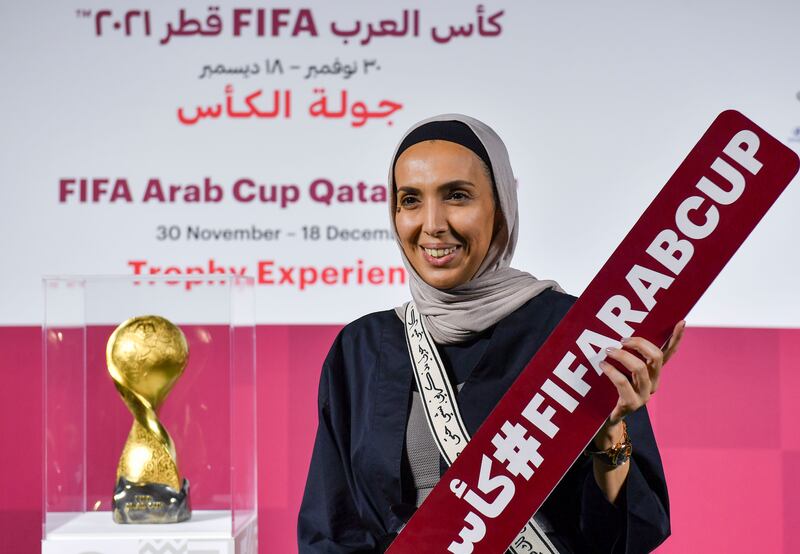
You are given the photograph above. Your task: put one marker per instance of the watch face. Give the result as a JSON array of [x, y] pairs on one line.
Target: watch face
[[621, 455], [616, 455]]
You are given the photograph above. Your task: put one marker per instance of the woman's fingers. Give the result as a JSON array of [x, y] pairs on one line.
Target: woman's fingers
[[639, 370], [628, 401], [653, 357], [650, 352], [674, 340], [645, 370]]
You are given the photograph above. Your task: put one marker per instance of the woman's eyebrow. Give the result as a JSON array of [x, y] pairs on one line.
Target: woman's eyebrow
[[408, 189], [456, 183]]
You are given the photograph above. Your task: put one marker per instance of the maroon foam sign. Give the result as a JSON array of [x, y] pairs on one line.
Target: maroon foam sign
[[680, 244]]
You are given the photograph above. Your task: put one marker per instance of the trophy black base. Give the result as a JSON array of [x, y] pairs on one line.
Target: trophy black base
[[150, 503]]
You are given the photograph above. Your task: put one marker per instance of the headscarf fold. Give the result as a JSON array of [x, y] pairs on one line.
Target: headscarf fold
[[458, 314]]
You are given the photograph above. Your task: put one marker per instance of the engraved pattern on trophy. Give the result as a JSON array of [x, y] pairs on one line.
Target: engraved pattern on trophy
[[145, 459], [145, 356]]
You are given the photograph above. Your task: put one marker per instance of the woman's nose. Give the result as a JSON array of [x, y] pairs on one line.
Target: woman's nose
[[435, 219]]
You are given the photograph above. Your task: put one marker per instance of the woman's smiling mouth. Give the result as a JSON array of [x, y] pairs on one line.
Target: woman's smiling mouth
[[441, 256]]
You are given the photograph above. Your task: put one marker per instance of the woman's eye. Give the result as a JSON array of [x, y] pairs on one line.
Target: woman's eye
[[458, 195], [407, 201]]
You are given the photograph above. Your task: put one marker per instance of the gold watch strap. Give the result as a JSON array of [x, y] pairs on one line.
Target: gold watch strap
[[617, 454]]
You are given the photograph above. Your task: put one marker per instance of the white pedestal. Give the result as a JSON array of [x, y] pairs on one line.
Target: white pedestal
[[208, 532]]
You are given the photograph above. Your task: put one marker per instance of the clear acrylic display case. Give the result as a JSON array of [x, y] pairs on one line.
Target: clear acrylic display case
[[210, 413]]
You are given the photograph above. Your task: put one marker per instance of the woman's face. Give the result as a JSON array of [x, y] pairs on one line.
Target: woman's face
[[445, 211]]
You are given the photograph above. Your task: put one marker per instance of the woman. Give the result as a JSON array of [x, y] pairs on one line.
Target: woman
[[454, 212]]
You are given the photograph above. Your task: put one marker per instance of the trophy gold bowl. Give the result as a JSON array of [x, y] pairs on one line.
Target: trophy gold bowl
[[145, 356]]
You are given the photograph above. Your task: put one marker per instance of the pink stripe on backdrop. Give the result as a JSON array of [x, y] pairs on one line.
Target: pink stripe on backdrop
[[725, 418]]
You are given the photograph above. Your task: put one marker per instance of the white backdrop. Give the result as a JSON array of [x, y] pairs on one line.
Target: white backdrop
[[598, 103]]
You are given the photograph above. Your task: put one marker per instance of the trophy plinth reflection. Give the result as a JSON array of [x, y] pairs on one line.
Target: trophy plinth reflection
[[145, 357]]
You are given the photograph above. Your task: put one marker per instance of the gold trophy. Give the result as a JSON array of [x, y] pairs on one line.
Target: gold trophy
[[146, 356]]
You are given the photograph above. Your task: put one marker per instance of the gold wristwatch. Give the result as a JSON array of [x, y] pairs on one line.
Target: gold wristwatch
[[615, 455]]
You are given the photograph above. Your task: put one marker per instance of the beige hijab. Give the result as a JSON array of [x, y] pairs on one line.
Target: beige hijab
[[458, 314]]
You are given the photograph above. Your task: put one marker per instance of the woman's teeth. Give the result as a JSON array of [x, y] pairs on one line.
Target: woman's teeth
[[440, 252]]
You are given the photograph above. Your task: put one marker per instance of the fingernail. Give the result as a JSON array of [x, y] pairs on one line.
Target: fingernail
[[625, 339], [611, 349]]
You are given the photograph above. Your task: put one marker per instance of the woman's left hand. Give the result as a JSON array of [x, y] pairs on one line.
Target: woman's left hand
[[634, 393]]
